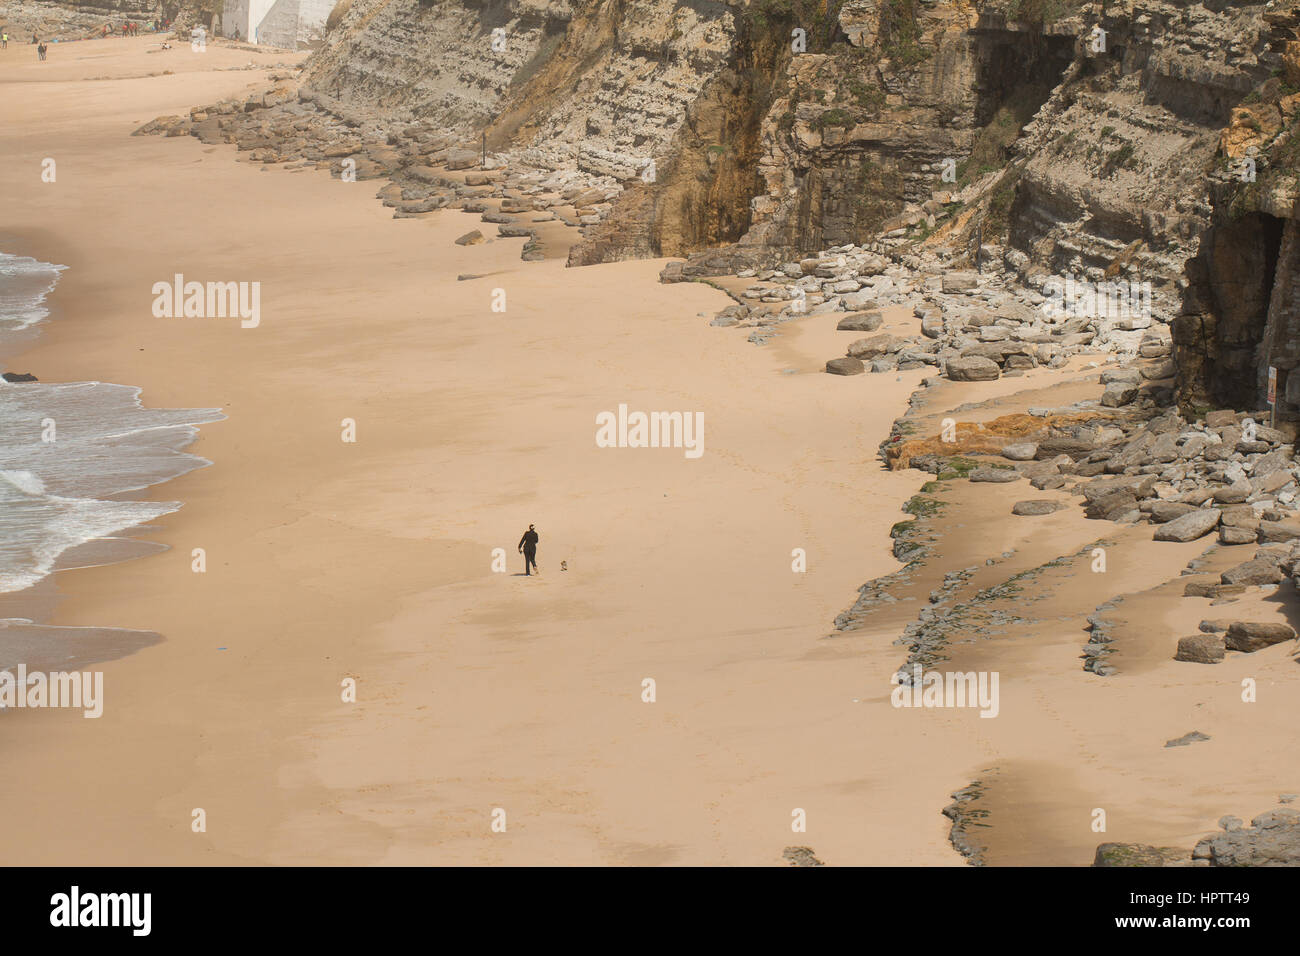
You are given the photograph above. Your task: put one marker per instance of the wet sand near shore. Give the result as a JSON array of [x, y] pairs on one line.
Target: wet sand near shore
[[479, 691]]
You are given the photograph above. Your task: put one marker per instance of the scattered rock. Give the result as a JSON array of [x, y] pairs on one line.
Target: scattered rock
[[997, 475], [1232, 494], [462, 159], [801, 856], [1138, 854], [1036, 506], [1021, 451], [1194, 737], [1273, 839], [860, 322], [845, 366], [873, 347], [1163, 512], [1229, 534], [1250, 636], [973, 368], [1119, 393], [1278, 531], [1189, 527], [1200, 649], [1253, 572], [1220, 418]]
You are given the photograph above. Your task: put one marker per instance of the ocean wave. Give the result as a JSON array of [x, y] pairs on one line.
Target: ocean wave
[[24, 284], [69, 451]]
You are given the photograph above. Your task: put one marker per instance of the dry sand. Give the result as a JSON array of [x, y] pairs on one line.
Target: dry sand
[[479, 690]]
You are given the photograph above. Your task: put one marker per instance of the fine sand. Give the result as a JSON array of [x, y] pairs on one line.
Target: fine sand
[[479, 691]]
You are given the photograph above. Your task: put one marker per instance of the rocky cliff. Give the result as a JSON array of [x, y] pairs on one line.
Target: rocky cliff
[[1150, 142]]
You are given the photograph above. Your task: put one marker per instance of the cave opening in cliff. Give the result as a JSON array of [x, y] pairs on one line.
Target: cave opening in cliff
[[1237, 267]]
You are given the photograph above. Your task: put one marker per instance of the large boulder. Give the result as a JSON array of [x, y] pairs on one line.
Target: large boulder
[[960, 282], [1221, 418], [875, 346], [1163, 512], [1250, 636], [845, 366], [1113, 506], [1200, 649], [860, 322], [855, 301], [1118, 393], [1253, 572], [462, 159], [1234, 535], [1128, 376], [1076, 448], [1138, 854], [973, 368], [1020, 451], [1036, 506], [1232, 494], [1278, 531], [1189, 527]]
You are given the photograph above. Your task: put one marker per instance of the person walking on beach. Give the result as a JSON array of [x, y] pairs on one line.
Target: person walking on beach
[[528, 548], [4, 41]]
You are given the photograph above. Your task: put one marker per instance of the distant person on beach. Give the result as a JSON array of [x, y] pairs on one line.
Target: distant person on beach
[[528, 548], [4, 41], [40, 51]]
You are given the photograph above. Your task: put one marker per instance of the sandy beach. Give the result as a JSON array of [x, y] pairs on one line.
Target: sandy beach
[[476, 690]]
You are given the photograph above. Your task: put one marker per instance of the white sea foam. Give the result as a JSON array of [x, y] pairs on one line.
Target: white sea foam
[[24, 284], [69, 452]]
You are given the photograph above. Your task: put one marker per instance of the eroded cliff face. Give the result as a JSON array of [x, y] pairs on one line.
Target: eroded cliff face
[[602, 85], [1242, 310], [1117, 176], [1052, 137], [862, 128], [880, 125], [404, 59]]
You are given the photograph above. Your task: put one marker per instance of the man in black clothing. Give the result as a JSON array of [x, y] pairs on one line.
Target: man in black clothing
[[528, 547]]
